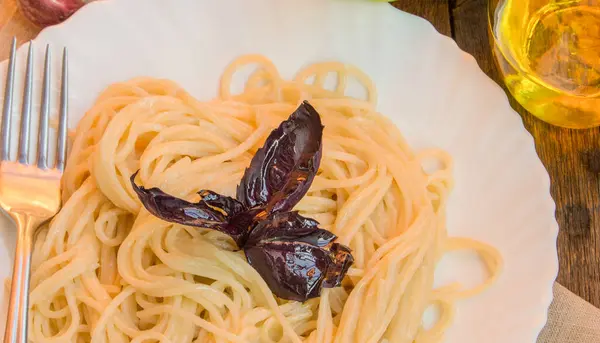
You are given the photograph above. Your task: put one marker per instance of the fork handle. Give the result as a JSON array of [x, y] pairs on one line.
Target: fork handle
[[16, 322]]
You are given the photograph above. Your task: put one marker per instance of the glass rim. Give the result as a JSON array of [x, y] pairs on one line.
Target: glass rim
[[496, 45]]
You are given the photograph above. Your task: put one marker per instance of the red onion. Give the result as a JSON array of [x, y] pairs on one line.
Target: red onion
[[49, 12]]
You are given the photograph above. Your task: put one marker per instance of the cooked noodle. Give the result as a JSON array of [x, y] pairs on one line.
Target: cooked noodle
[[105, 270]]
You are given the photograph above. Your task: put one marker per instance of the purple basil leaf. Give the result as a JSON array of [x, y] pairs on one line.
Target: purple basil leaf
[[342, 261], [291, 227], [292, 271], [244, 222], [213, 211], [293, 256], [282, 170], [229, 205]]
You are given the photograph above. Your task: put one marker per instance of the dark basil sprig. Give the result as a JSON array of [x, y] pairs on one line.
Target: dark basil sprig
[[294, 257]]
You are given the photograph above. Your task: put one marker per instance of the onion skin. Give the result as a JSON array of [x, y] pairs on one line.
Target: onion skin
[[49, 12]]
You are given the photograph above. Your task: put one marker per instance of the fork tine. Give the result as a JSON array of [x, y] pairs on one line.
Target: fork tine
[[61, 148], [23, 156], [7, 108], [42, 151]]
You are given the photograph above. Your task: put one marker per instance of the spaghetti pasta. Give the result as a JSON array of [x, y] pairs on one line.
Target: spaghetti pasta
[[105, 270]]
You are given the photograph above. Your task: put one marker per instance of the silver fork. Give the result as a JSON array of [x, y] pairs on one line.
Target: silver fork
[[29, 193]]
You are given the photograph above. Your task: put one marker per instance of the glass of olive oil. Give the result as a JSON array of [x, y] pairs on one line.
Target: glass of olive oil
[[548, 52]]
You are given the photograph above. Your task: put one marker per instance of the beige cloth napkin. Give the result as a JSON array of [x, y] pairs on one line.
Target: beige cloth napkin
[[571, 320]]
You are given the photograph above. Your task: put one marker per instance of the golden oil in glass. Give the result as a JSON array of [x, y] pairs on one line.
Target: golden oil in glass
[[549, 56]]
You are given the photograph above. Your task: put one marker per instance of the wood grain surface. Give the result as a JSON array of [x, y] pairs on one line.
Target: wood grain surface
[[572, 157]]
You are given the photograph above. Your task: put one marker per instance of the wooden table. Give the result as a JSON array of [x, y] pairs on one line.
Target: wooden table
[[571, 157]]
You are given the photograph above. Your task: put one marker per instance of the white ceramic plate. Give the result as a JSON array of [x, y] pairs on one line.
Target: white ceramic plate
[[432, 90]]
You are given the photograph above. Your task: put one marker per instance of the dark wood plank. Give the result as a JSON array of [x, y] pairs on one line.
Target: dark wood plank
[[572, 158], [436, 11]]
